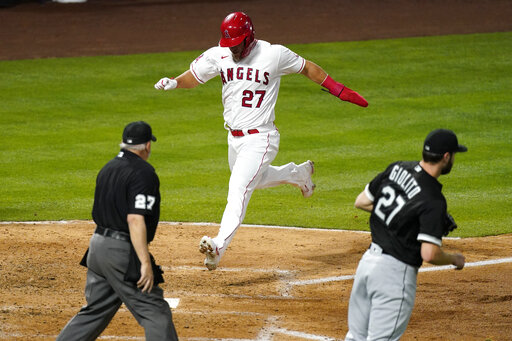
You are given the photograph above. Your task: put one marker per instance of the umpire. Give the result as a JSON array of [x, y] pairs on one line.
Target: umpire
[[408, 221], [120, 268]]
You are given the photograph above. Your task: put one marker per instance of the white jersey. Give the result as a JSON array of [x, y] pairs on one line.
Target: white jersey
[[250, 86]]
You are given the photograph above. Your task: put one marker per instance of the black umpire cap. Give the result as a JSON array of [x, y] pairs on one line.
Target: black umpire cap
[[440, 141], [137, 133]]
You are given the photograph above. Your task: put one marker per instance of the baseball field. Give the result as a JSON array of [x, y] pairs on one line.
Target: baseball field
[[71, 77]]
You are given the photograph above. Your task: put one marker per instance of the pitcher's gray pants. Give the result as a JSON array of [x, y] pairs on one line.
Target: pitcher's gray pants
[[106, 290], [382, 297]]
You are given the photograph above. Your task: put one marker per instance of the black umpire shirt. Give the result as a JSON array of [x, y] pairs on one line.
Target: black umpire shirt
[[127, 185], [408, 209]]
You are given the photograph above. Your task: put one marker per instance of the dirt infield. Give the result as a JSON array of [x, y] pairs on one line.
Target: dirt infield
[[273, 284]]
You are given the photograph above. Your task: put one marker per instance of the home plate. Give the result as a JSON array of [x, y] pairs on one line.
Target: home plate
[[173, 302]]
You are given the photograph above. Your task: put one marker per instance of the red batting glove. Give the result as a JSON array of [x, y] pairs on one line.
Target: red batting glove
[[342, 92]]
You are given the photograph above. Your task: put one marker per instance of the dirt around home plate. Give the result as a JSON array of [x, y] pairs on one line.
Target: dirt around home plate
[[272, 284]]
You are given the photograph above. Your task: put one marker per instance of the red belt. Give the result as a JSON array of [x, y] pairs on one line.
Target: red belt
[[241, 132]]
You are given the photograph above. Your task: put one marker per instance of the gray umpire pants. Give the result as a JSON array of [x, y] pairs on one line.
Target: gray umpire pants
[[106, 290]]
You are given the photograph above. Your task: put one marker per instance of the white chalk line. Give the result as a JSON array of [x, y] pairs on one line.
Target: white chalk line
[[284, 292], [469, 265], [251, 297], [120, 337], [43, 222], [123, 337], [210, 339], [42, 336], [302, 335], [265, 333], [177, 223], [218, 312], [267, 336], [114, 337], [123, 309], [428, 269], [270, 328], [223, 269], [272, 227], [284, 276]]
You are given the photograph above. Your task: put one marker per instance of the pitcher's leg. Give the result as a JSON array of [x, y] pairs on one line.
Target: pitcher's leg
[[394, 293], [359, 304]]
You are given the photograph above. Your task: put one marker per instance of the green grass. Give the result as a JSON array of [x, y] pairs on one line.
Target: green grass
[[62, 119]]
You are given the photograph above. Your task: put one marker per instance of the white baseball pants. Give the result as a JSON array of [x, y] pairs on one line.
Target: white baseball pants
[[249, 161]]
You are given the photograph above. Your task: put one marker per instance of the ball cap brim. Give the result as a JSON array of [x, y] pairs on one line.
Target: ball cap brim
[[441, 141], [231, 42], [137, 133]]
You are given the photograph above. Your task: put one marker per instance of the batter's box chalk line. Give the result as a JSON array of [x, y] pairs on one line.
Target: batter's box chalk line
[[224, 269], [270, 328], [289, 286]]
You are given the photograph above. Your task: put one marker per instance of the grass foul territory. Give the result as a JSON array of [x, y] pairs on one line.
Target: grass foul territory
[[62, 119]]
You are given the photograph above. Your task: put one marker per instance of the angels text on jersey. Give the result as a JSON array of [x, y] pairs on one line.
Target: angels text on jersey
[[244, 73]]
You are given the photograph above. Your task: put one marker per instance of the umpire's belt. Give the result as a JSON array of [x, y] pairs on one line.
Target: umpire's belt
[[112, 233]]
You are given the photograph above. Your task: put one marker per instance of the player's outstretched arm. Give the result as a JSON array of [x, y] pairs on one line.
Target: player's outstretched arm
[[186, 81], [435, 255], [314, 72], [319, 76]]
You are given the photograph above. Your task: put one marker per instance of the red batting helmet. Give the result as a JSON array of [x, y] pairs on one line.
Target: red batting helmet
[[236, 28]]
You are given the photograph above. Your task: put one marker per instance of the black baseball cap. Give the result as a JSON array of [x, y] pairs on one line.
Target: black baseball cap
[[440, 141], [137, 133]]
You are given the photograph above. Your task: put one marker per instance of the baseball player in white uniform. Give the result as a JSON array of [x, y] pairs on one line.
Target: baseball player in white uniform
[[250, 71]]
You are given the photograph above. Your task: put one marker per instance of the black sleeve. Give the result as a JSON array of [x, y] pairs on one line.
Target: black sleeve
[[432, 222], [142, 193]]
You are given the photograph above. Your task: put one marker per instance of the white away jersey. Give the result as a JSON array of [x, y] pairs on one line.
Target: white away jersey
[[250, 86]]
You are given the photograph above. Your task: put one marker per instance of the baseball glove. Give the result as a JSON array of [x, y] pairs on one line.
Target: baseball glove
[[449, 224]]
